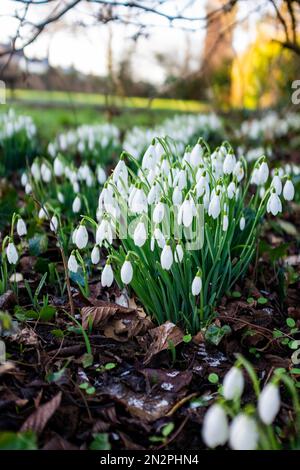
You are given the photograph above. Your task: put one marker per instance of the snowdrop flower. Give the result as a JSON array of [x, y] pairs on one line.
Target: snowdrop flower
[[46, 173], [126, 272], [231, 188], [159, 237], [11, 253], [277, 184], [185, 213], [215, 431], [239, 171], [76, 206], [242, 223], [149, 158], [28, 188], [178, 255], [288, 190], [81, 237], [24, 179], [229, 163], [233, 384], [101, 175], [120, 171], [269, 403], [263, 173], [42, 214], [196, 155], [153, 194], [104, 232], [197, 284], [107, 276], [158, 213], [35, 171], [21, 228], [214, 207], [139, 202], [177, 197], [95, 255], [54, 223], [243, 434], [225, 223], [58, 167], [274, 204], [166, 258], [72, 264], [140, 235], [60, 197]]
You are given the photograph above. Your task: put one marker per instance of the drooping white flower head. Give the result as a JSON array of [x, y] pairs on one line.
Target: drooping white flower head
[[177, 196], [35, 171], [225, 223], [277, 184], [242, 223], [166, 258], [215, 431], [43, 213], [231, 188], [288, 190], [159, 212], [73, 264], [233, 384], [140, 234], [178, 255], [197, 284], [54, 223], [269, 403], [243, 434], [214, 207], [196, 156], [229, 163], [58, 167], [104, 232], [263, 173], [11, 253], [81, 237], [21, 228], [274, 204], [107, 276], [186, 213], [95, 255], [126, 272], [46, 173], [76, 206]]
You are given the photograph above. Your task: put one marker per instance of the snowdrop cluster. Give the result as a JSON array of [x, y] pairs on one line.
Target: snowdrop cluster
[[64, 183], [183, 128], [243, 429], [96, 142], [187, 226], [17, 140], [270, 126]]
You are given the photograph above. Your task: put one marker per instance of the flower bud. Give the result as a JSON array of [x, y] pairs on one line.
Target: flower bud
[[126, 272], [81, 237], [21, 228], [243, 434], [215, 431], [166, 258], [197, 285], [72, 264], [107, 276], [269, 403], [233, 384], [288, 191], [95, 255], [11, 253]]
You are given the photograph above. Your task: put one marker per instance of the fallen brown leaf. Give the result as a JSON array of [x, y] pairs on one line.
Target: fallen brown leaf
[[162, 337], [38, 419]]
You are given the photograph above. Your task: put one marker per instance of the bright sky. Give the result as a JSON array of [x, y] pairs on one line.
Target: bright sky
[[85, 48]]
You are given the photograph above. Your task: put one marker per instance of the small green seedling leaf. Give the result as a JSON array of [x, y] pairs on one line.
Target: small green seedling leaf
[[262, 300], [100, 442], [168, 429], [290, 322], [187, 338], [213, 378]]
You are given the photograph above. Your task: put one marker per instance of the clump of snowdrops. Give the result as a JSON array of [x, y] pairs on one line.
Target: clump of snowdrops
[[92, 143], [18, 143], [67, 188], [184, 128], [251, 427], [187, 227]]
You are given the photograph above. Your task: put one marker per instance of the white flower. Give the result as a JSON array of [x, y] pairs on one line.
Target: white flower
[[120, 172], [126, 272], [11, 253], [177, 196], [158, 213], [178, 255], [277, 184], [60, 197], [166, 258], [58, 167], [107, 276], [42, 214], [214, 207], [263, 173], [225, 223], [104, 232], [269, 403], [239, 171], [101, 175], [21, 228], [233, 384], [231, 190], [28, 188], [139, 203], [242, 223], [196, 285], [274, 204], [76, 206], [35, 171], [159, 237], [72, 264], [185, 213], [81, 237], [229, 163], [46, 173], [215, 431], [24, 179], [196, 156], [288, 191], [95, 255], [140, 234], [54, 223], [243, 434], [153, 194]]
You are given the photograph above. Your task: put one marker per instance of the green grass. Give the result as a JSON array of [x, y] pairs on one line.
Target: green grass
[[100, 100]]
